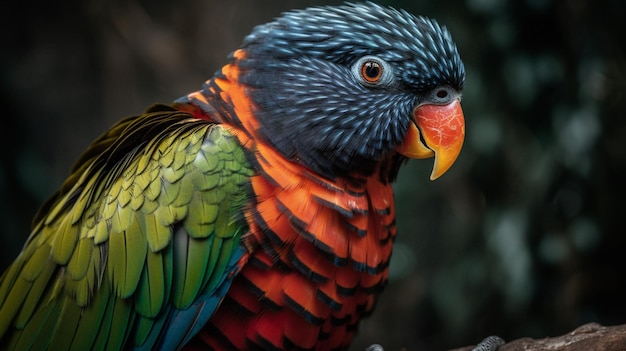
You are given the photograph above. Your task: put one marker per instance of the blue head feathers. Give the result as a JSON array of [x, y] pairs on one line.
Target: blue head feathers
[[302, 71]]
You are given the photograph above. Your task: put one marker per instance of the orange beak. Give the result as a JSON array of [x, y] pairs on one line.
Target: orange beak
[[442, 128]]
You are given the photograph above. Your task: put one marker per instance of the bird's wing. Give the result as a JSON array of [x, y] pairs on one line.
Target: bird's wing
[[138, 246]]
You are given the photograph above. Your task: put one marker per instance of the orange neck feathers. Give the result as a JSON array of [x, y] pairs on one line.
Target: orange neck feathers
[[318, 248]]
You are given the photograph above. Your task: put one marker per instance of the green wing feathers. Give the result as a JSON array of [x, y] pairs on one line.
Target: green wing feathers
[[147, 221]]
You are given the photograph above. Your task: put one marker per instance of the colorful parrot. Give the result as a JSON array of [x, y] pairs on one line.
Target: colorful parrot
[[255, 213]]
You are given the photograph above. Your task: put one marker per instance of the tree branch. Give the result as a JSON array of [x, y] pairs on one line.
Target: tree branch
[[587, 337]]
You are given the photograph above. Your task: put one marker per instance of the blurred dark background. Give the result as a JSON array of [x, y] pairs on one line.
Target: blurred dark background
[[524, 236]]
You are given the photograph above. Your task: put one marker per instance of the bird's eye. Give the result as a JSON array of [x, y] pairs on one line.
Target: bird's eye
[[372, 71]]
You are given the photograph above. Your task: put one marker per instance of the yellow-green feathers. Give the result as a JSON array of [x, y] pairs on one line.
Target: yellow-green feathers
[[148, 220]]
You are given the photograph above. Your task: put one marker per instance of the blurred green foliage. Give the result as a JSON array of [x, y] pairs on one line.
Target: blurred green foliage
[[522, 237]]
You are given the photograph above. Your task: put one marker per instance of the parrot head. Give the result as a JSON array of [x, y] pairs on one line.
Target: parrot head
[[342, 89]]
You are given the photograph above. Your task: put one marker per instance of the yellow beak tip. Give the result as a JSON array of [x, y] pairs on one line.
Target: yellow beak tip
[[443, 162]]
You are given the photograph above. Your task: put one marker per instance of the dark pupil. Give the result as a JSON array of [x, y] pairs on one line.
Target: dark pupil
[[372, 70]]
